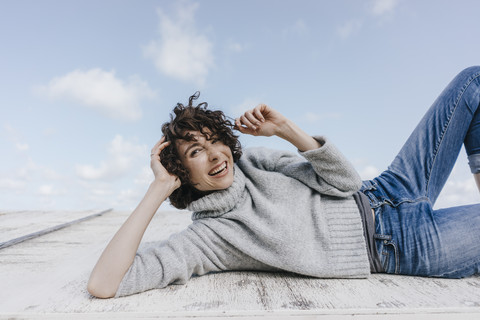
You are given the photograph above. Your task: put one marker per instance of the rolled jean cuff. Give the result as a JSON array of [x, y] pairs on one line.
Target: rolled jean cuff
[[474, 162]]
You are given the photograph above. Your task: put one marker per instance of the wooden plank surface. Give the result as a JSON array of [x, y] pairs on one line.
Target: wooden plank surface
[[18, 224], [46, 277]]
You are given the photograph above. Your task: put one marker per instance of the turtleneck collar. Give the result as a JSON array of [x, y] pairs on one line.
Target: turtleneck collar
[[219, 202]]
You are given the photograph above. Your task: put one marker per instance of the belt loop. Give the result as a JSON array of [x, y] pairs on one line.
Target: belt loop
[[382, 236]]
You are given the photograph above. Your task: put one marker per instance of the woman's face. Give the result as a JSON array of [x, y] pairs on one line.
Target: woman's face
[[209, 162]]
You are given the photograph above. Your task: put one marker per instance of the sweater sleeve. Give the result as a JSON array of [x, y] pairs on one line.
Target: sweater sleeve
[[172, 261], [326, 169], [338, 176]]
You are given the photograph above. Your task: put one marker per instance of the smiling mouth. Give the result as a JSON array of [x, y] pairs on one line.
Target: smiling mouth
[[218, 170]]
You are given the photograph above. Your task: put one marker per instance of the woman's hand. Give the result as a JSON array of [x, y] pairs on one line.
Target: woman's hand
[[159, 171], [265, 121], [261, 121]]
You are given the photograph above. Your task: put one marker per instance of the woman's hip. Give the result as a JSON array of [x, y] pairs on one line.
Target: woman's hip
[[414, 239]]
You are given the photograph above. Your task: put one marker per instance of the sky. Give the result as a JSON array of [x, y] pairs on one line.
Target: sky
[[86, 85]]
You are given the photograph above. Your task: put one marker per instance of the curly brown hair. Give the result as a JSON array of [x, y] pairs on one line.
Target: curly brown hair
[[211, 123]]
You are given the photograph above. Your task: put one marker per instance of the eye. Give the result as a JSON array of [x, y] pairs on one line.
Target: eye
[[194, 152]]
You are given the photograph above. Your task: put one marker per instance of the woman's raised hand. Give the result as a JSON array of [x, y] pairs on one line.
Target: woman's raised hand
[[261, 121], [265, 121], [158, 169]]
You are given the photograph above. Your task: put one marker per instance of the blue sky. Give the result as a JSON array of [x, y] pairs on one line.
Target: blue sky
[[86, 85]]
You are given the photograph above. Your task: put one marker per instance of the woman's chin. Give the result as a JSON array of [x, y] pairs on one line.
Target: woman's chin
[[217, 185]]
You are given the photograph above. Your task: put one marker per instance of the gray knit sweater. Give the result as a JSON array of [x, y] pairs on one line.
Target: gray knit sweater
[[281, 213]]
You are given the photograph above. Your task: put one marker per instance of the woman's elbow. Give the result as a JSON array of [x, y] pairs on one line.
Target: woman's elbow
[[100, 290], [351, 186], [353, 181], [357, 183]]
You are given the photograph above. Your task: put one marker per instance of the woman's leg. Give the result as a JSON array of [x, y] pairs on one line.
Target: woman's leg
[[423, 165], [411, 237]]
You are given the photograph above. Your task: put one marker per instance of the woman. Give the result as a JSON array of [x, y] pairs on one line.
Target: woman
[[273, 210]]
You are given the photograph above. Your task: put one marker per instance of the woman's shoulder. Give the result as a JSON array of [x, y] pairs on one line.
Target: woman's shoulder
[[263, 157], [264, 152]]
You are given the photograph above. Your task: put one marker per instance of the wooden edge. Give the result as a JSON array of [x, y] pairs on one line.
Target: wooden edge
[[334, 314], [49, 230]]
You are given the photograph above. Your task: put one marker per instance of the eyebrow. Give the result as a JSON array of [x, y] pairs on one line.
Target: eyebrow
[[196, 144]]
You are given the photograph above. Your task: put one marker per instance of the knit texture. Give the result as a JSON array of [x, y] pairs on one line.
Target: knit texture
[[282, 213]]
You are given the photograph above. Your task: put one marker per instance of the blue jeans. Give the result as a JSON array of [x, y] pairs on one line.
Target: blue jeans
[[411, 237]]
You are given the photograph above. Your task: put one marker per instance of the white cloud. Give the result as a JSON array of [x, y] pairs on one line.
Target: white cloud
[[247, 104], [101, 90], [27, 170], [298, 28], [349, 28], [22, 146], [27, 174], [181, 52], [32, 186], [235, 47], [145, 177], [49, 190], [12, 184], [97, 193], [369, 172], [49, 131], [129, 198], [15, 137], [458, 192], [19, 179], [121, 155], [102, 191], [312, 117], [121, 195], [121, 179], [381, 7], [51, 174], [378, 8], [365, 168], [45, 190], [30, 169], [460, 188]]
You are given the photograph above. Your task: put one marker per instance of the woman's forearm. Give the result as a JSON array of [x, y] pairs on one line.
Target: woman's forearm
[[296, 136], [120, 251]]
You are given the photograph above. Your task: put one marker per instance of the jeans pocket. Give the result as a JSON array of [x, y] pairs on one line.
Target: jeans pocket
[[388, 253]]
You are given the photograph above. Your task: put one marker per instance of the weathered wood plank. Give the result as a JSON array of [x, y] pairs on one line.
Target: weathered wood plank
[[46, 278], [16, 224], [26, 224], [307, 315]]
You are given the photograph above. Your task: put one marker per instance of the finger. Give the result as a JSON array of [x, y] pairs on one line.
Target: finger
[[258, 112], [253, 118], [245, 122], [238, 124], [155, 147], [159, 142], [164, 145], [159, 146], [240, 127]]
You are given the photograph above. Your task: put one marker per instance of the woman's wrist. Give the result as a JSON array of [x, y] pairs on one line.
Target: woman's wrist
[[292, 133], [163, 187]]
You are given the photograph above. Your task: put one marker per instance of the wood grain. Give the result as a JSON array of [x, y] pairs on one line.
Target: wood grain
[[46, 277]]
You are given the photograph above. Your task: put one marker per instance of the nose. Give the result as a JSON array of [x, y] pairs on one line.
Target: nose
[[213, 153]]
